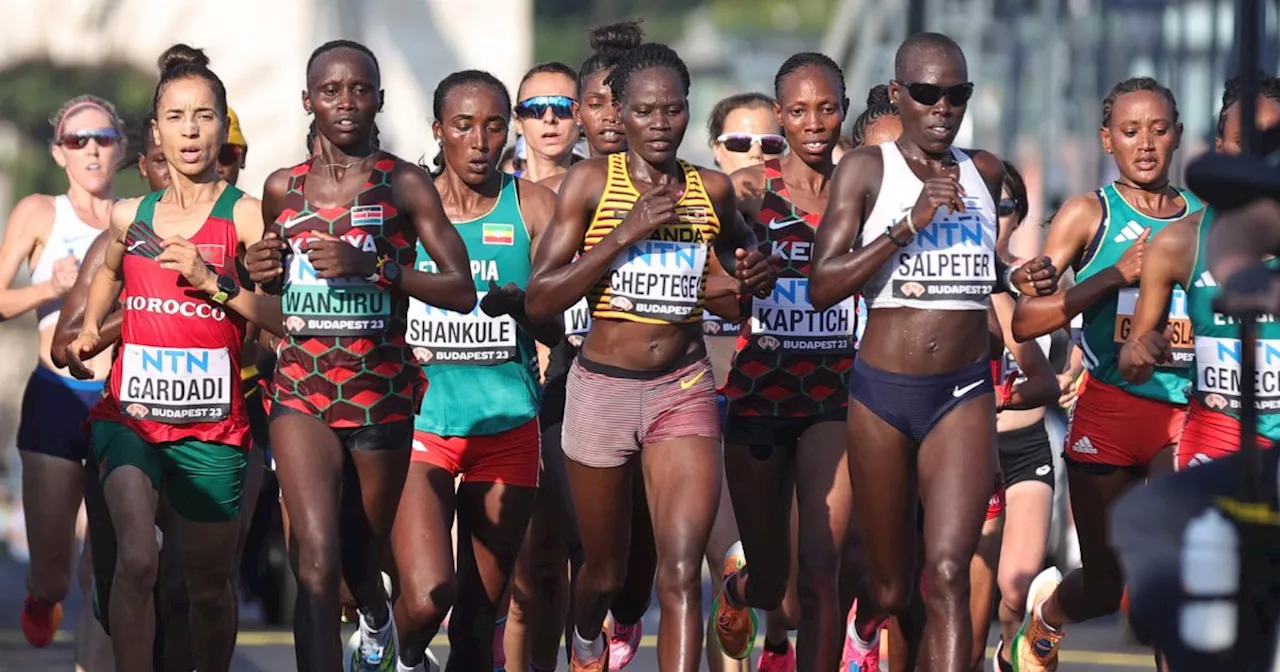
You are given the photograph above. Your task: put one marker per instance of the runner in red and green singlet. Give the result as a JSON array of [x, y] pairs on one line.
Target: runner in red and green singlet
[[346, 223], [784, 428], [173, 417]]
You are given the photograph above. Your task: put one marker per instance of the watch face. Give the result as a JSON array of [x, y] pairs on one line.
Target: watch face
[[392, 271], [227, 284]]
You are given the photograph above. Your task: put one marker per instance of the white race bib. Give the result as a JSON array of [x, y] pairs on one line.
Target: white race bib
[[658, 279], [1218, 374], [175, 385], [1182, 346], [440, 336], [787, 322], [315, 306], [577, 322], [949, 260]]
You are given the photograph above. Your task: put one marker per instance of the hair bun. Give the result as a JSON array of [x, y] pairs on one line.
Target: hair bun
[[620, 36], [181, 55], [878, 95]]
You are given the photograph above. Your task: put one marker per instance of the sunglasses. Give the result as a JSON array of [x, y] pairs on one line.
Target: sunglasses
[[230, 155], [537, 106], [105, 137], [770, 143], [1006, 207], [930, 94]]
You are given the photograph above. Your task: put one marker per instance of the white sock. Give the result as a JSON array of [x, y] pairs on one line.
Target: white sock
[[858, 643], [587, 650], [1040, 617]]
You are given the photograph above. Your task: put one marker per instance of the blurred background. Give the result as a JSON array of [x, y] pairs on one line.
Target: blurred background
[[1041, 67]]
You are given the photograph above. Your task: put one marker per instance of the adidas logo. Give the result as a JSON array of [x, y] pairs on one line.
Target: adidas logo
[[1205, 280], [1129, 233], [1085, 446]]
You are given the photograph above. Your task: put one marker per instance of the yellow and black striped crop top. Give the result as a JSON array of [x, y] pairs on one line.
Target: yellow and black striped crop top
[[660, 280]]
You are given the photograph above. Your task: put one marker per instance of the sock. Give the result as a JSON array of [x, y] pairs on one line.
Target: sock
[[587, 650], [1040, 617], [401, 667], [729, 590], [779, 648], [367, 621]]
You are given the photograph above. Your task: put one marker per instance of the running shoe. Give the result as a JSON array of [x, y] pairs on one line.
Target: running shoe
[[428, 664], [853, 660], [600, 664], [372, 650], [777, 662], [624, 642], [40, 622], [735, 627], [998, 663], [499, 649], [1035, 647]]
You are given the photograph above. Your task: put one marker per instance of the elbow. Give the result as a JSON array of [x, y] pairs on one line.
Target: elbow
[[462, 298], [537, 306], [819, 297], [1021, 327]]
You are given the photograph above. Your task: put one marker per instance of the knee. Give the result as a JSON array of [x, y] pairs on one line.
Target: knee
[[815, 580], [137, 563], [603, 577], [1014, 585], [679, 577], [948, 577], [428, 598], [319, 569], [894, 593]]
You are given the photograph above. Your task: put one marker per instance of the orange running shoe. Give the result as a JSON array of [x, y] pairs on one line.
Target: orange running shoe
[[1035, 647], [600, 664], [735, 627], [40, 622]]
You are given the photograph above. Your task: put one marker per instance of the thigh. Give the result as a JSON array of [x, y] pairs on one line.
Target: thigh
[[1028, 509], [823, 492], [957, 464], [309, 467], [495, 515], [881, 474], [204, 480], [420, 537], [761, 481], [602, 419], [682, 479], [602, 499]]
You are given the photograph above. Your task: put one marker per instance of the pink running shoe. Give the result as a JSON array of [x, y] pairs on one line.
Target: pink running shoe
[[777, 662], [624, 642], [853, 660], [499, 650]]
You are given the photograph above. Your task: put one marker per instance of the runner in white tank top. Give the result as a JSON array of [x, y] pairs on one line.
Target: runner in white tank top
[[52, 234], [919, 217]]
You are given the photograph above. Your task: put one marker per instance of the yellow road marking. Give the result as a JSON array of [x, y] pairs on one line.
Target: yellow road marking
[[262, 638]]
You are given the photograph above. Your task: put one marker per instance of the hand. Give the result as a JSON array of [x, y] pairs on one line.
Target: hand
[[1151, 349], [1251, 291], [756, 272], [181, 255], [1067, 385], [1037, 277], [938, 192], [64, 274], [653, 209], [265, 259], [84, 344], [1130, 265], [504, 300], [336, 258]]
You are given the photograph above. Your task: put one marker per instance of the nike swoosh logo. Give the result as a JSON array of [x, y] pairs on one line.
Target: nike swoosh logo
[[961, 391], [686, 384], [774, 224], [136, 245], [289, 223]]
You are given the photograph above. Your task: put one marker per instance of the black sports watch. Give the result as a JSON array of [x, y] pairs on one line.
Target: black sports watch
[[228, 288]]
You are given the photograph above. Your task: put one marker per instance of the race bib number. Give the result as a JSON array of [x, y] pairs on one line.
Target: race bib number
[[952, 259], [658, 279], [577, 322], [439, 336], [315, 306], [786, 321], [1218, 374], [1181, 346], [175, 385]]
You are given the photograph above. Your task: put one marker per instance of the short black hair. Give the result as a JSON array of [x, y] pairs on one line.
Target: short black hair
[[809, 58], [608, 45], [921, 42], [722, 110], [878, 105], [334, 45], [1268, 87], [643, 57], [1133, 85]]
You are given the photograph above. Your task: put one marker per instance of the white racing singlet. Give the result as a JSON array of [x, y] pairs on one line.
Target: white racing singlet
[[950, 265], [68, 236]]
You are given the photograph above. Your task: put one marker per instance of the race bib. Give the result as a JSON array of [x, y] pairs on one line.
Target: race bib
[[1009, 363], [440, 336], [175, 385], [714, 325], [658, 279], [952, 259], [1182, 346], [577, 322], [787, 322], [1218, 374], [316, 306]]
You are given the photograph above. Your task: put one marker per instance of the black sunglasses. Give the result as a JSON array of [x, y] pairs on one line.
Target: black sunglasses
[[1006, 207], [930, 94]]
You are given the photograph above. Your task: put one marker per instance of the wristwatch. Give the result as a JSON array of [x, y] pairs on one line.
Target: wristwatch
[[1008, 280], [387, 274], [228, 288]]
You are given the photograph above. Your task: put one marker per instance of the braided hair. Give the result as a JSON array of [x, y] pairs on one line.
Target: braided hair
[[1268, 87], [334, 45], [644, 57], [813, 59], [1133, 85], [608, 45], [455, 81], [878, 105]]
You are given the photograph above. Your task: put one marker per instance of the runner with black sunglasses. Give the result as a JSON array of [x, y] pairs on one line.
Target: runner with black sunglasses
[[920, 218]]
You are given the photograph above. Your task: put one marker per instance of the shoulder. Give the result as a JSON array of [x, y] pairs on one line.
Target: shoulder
[[717, 184], [535, 198], [278, 182], [124, 211], [585, 174], [553, 183], [407, 175], [1180, 237], [1084, 208], [989, 165], [864, 165], [248, 210], [34, 211]]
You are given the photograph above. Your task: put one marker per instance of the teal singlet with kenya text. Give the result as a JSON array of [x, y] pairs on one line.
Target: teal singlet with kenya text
[[1107, 322], [1218, 348], [481, 370]]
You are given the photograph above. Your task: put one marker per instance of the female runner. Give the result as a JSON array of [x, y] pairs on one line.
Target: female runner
[[922, 217], [478, 418], [641, 387], [173, 420], [1178, 260], [52, 234], [1117, 428], [784, 431], [343, 394], [744, 131], [544, 118]]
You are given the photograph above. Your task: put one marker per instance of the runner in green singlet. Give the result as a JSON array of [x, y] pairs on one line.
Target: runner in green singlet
[[1117, 428], [478, 418]]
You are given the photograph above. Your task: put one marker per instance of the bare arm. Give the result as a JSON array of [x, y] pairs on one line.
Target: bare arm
[[71, 319], [1040, 387], [1173, 254], [839, 270], [258, 308], [451, 286], [29, 224], [1069, 235], [538, 204], [723, 288], [105, 288], [273, 191]]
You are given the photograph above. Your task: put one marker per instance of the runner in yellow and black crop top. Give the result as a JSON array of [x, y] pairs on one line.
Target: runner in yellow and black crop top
[[646, 224]]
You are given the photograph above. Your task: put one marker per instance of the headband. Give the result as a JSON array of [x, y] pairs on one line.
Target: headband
[[82, 105]]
